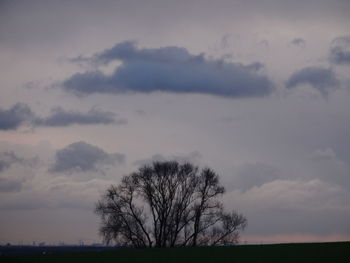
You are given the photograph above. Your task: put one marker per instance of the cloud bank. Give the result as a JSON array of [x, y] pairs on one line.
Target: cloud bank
[[83, 157], [251, 175], [319, 78], [20, 114], [15, 116], [60, 117], [13, 182], [168, 69], [7, 159]]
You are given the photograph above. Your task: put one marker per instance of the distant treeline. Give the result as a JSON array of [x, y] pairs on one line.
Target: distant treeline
[[286, 253], [44, 250]]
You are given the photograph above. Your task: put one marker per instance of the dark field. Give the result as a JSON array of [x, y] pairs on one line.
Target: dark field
[[314, 252]]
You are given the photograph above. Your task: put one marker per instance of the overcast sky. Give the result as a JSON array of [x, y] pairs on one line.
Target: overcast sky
[[257, 90]]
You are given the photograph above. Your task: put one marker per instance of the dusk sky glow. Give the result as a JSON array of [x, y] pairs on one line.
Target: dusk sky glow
[[257, 90]]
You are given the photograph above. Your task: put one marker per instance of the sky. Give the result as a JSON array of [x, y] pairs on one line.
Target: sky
[[257, 90]]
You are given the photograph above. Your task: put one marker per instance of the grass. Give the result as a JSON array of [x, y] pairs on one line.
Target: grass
[[282, 253]]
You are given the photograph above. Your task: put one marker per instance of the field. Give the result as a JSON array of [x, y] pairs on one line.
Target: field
[[313, 252]]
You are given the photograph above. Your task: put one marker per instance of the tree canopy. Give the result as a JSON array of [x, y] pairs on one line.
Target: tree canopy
[[167, 204]]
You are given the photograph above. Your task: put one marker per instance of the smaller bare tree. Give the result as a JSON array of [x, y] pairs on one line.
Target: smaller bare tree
[[168, 204]]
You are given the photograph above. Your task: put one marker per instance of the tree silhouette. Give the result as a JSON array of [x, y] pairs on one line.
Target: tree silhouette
[[168, 204]]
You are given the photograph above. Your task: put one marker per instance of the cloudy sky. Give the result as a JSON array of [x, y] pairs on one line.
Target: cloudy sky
[[257, 90]]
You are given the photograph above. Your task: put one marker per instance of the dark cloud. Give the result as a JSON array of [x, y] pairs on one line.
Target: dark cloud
[[340, 51], [7, 159], [21, 114], [15, 116], [298, 42], [322, 79], [168, 69], [84, 157], [60, 117]]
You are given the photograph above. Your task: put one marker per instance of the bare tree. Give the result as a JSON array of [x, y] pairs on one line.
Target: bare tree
[[168, 204]]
